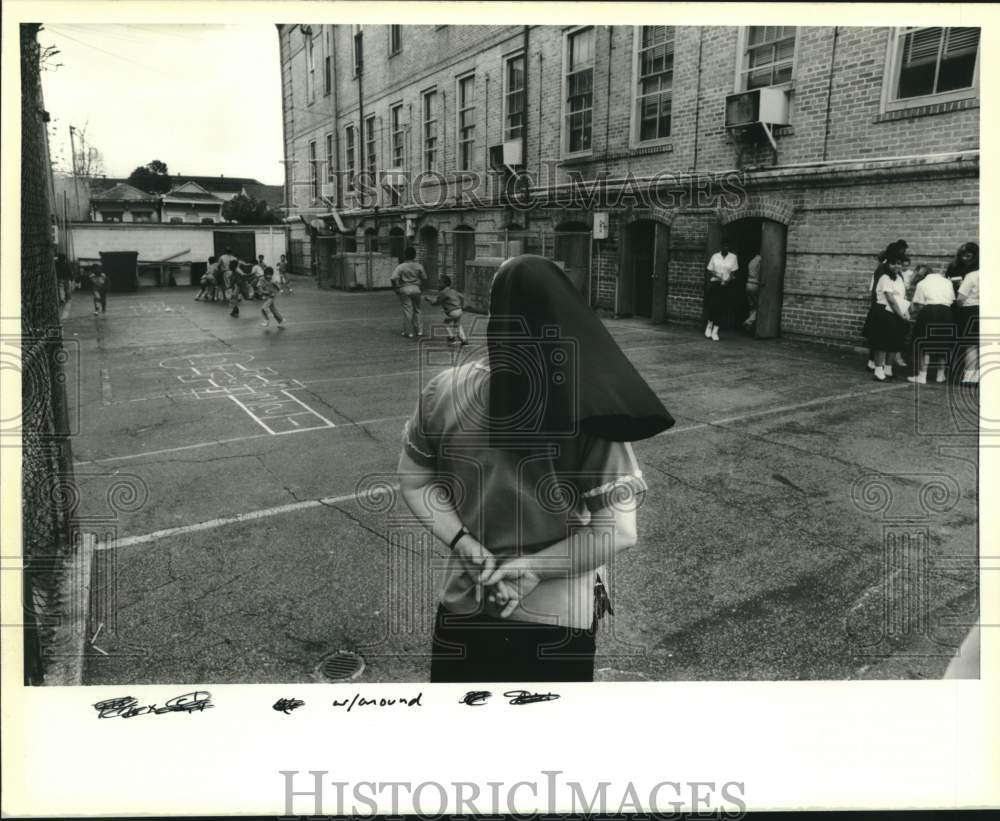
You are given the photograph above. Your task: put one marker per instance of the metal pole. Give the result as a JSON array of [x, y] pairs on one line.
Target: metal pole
[[72, 151]]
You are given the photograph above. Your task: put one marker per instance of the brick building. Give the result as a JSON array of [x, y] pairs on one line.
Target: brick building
[[627, 152]]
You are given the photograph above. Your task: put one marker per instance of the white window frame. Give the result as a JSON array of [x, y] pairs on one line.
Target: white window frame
[[563, 105], [393, 52], [371, 147], [635, 128], [313, 160], [459, 142], [435, 123], [310, 69], [892, 67], [350, 154], [356, 29], [507, 59], [742, 71], [331, 158], [397, 128]]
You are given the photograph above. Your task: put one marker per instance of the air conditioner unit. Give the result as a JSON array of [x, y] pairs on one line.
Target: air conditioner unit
[[506, 156], [761, 105], [512, 153]]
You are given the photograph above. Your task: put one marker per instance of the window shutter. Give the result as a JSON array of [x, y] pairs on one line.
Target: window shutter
[[961, 40], [922, 46]]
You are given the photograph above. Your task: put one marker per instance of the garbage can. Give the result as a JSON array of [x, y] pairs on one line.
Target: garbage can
[[121, 268]]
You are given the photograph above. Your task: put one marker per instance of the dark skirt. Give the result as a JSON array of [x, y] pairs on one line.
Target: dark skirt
[[717, 302], [887, 331], [480, 648], [967, 319]]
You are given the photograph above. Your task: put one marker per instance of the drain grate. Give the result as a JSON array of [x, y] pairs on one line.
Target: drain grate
[[342, 666]]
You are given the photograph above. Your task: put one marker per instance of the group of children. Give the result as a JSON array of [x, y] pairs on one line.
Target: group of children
[[231, 281], [933, 314]]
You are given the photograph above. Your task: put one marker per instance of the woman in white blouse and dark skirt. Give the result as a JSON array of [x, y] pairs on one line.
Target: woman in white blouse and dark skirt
[[964, 274], [888, 325], [933, 330]]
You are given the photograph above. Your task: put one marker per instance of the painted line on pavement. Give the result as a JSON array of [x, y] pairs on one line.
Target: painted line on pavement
[[314, 503], [216, 442], [211, 524]]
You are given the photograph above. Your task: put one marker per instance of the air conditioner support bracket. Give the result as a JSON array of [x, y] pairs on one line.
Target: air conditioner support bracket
[[770, 136]]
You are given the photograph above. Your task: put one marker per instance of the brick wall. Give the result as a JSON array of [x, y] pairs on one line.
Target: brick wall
[[156, 242]]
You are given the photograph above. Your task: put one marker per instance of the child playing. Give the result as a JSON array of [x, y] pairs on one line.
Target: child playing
[[99, 287], [208, 282], [269, 290], [281, 278], [452, 302]]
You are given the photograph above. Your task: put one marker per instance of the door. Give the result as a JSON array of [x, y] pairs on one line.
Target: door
[[572, 248], [243, 244], [429, 240], [661, 251], [772, 279], [465, 251], [643, 239]]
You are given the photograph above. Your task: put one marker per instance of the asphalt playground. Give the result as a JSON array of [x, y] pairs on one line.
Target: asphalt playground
[[802, 520]]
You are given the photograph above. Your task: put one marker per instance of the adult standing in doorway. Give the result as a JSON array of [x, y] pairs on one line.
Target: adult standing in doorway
[[722, 268], [533, 493], [408, 279], [753, 291]]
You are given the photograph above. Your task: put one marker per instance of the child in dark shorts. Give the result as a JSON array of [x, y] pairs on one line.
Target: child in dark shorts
[[452, 302]]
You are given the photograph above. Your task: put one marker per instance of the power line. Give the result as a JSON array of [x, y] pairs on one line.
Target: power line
[[105, 51]]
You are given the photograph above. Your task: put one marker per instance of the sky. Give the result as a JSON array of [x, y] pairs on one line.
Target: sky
[[204, 99]]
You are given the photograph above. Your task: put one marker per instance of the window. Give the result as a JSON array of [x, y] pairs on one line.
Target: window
[[654, 83], [370, 145], [935, 61], [207, 220], [310, 69], [173, 220], [111, 216], [357, 47], [395, 40], [349, 163], [579, 90], [767, 57], [430, 125], [142, 216], [398, 135], [314, 170], [330, 158], [466, 121], [513, 98]]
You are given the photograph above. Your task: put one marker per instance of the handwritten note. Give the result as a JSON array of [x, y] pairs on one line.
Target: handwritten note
[[129, 707]]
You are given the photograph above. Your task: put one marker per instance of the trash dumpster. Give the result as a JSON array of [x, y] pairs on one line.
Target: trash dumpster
[[121, 268]]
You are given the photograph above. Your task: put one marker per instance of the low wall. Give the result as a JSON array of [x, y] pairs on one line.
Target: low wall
[[158, 241]]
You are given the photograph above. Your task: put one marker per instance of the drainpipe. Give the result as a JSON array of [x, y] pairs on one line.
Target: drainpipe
[[541, 61], [697, 100], [359, 67], [607, 116], [336, 119], [526, 38], [829, 90]]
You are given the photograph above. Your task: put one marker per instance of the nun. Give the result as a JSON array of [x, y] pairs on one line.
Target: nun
[[523, 470]]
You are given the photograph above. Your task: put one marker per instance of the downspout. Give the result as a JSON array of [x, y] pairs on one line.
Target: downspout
[[526, 41], [362, 135], [336, 112], [697, 100], [541, 61], [607, 116], [486, 135], [829, 91]]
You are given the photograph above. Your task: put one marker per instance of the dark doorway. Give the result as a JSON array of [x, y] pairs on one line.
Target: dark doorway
[[747, 238], [572, 248], [397, 242], [635, 280], [429, 242], [464, 239], [242, 244]]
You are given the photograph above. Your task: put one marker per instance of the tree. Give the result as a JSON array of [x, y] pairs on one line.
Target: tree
[[152, 177], [89, 160], [250, 211]]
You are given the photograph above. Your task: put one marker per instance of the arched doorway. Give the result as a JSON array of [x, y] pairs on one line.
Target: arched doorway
[[397, 242], [572, 248], [464, 250], [748, 237], [429, 245], [642, 272]]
